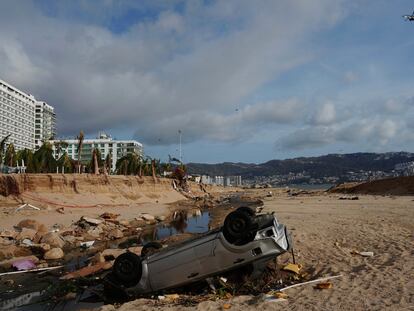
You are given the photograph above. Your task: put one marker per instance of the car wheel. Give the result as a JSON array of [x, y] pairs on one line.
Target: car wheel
[[150, 248], [128, 269], [237, 227], [249, 211]]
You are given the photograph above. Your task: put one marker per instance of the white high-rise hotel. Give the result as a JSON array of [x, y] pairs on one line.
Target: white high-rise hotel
[[28, 121]]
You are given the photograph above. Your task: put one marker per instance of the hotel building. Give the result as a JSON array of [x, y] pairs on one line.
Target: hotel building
[[19, 118], [105, 144]]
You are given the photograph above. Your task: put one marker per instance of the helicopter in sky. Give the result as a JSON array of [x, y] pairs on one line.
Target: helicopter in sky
[[409, 17]]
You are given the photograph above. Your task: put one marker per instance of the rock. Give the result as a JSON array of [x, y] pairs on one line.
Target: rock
[[124, 222], [98, 258], [9, 234], [160, 218], [6, 264], [92, 221], [115, 234], [147, 217], [70, 239], [109, 215], [42, 265], [112, 253], [95, 232], [11, 251], [26, 233], [53, 239], [54, 253], [31, 224]]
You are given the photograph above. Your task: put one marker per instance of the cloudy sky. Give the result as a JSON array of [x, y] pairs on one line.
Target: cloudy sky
[[243, 80]]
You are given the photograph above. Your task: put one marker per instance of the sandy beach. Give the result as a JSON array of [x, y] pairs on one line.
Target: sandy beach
[[326, 230]]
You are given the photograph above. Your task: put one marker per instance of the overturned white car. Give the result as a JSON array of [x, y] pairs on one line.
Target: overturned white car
[[245, 238]]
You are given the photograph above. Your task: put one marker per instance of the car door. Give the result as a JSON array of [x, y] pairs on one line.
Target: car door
[[174, 268]]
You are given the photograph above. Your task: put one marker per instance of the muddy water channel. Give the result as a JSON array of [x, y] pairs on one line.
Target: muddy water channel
[[45, 291]]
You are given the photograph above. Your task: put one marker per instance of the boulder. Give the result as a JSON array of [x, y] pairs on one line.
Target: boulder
[[147, 217], [53, 239], [54, 253], [92, 221], [11, 251], [160, 218], [70, 239], [95, 232], [31, 224], [26, 233], [115, 234], [9, 234]]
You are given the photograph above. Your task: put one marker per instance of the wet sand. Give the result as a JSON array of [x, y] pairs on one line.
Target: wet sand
[[326, 230]]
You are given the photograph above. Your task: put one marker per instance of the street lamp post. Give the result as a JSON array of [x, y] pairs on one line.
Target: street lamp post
[[181, 159]]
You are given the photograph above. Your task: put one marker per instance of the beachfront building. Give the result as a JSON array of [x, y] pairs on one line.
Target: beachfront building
[[45, 123], [19, 118], [105, 144]]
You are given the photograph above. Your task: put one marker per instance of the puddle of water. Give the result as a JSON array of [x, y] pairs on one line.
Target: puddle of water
[[197, 222]]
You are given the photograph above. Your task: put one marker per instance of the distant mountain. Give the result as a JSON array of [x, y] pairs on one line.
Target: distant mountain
[[315, 167]]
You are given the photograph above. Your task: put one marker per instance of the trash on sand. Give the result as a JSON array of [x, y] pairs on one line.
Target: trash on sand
[[354, 197], [86, 244], [310, 282], [226, 306], [31, 270], [24, 264], [363, 254], [366, 254], [87, 270], [60, 210], [26, 205], [27, 242], [291, 267], [323, 285], [172, 297], [107, 215]]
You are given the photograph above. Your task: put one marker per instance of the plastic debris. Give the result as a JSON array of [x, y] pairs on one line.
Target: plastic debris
[[324, 285], [363, 254], [291, 267], [24, 264], [26, 205], [86, 244]]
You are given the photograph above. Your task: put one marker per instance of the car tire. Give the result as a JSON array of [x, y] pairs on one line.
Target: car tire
[[247, 210], [127, 269], [237, 226], [150, 248]]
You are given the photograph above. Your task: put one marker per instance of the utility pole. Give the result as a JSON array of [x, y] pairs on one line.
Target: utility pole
[[181, 159]]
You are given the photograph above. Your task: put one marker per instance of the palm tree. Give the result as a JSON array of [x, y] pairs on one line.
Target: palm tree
[[26, 156], [96, 161], [66, 163], [80, 138], [60, 145], [10, 156], [43, 159], [108, 163], [2, 146]]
